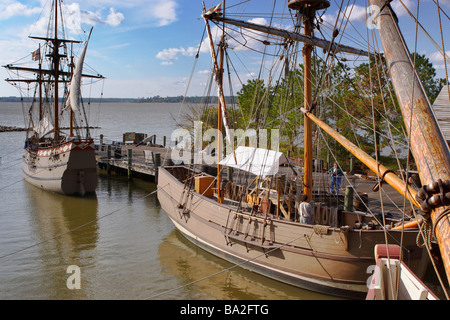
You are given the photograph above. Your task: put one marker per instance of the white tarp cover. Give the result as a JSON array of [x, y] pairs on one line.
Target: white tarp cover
[[261, 162]]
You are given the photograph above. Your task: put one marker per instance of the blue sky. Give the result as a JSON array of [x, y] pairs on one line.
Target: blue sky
[[146, 47]]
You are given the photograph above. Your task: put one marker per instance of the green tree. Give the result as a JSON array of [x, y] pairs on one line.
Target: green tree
[[427, 73], [350, 100], [254, 104]]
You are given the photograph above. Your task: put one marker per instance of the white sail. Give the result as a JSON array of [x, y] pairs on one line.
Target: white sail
[[44, 127], [75, 84]]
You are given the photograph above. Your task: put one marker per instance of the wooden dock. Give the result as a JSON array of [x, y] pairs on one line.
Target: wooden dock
[[143, 160], [131, 159]]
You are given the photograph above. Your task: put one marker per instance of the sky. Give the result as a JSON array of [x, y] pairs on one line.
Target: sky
[[146, 48]]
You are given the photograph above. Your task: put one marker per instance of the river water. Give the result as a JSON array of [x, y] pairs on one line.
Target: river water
[[120, 242]]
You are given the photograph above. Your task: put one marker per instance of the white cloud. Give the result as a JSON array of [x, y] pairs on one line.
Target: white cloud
[[437, 57], [400, 10], [357, 13], [360, 13], [10, 9], [353, 13], [73, 14], [156, 12], [163, 11], [172, 54], [78, 17], [235, 41], [114, 18], [74, 18], [260, 21]]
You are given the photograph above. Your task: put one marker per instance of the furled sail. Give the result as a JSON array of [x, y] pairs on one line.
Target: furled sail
[[44, 127], [75, 85]]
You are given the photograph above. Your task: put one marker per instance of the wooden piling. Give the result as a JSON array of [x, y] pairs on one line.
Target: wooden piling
[[108, 156], [157, 165], [130, 163]]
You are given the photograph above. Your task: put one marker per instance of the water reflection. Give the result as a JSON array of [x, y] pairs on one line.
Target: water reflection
[[68, 230], [124, 244], [189, 263]]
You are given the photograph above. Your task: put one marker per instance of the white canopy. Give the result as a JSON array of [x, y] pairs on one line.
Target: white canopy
[[261, 162]]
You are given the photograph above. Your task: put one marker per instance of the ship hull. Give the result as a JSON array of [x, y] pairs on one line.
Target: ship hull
[[336, 262], [68, 168]]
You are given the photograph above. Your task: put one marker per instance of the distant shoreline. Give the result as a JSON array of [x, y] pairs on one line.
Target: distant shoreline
[[156, 99], [11, 129]]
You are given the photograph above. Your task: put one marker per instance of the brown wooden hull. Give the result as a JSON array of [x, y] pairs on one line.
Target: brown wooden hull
[[334, 261]]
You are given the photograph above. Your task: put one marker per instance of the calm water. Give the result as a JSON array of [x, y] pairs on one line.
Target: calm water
[[121, 240]]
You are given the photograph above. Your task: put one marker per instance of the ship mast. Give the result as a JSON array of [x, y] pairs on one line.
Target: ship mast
[[222, 118], [56, 57], [306, 12], [60, 76], [41, 111], [428, 145], [72, 65]]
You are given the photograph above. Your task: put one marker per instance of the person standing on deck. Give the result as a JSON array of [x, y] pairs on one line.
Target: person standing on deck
[[336, 177], [305, 210]]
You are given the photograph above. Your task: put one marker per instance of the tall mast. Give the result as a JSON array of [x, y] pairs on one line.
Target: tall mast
[[218, 75], [428, 145], [306, 11], [71, 75], [220, 196], [53, 71], [219, 123], [41, 112], [307, 179], [55, 60]]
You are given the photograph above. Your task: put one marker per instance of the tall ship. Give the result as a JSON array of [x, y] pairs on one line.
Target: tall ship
[[57, 161], [282, 225]]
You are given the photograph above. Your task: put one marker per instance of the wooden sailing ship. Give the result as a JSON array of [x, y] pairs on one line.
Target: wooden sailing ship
[[260, 232], [55, 161]]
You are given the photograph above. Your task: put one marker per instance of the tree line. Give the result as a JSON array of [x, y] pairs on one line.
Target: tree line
[[155, 99]]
